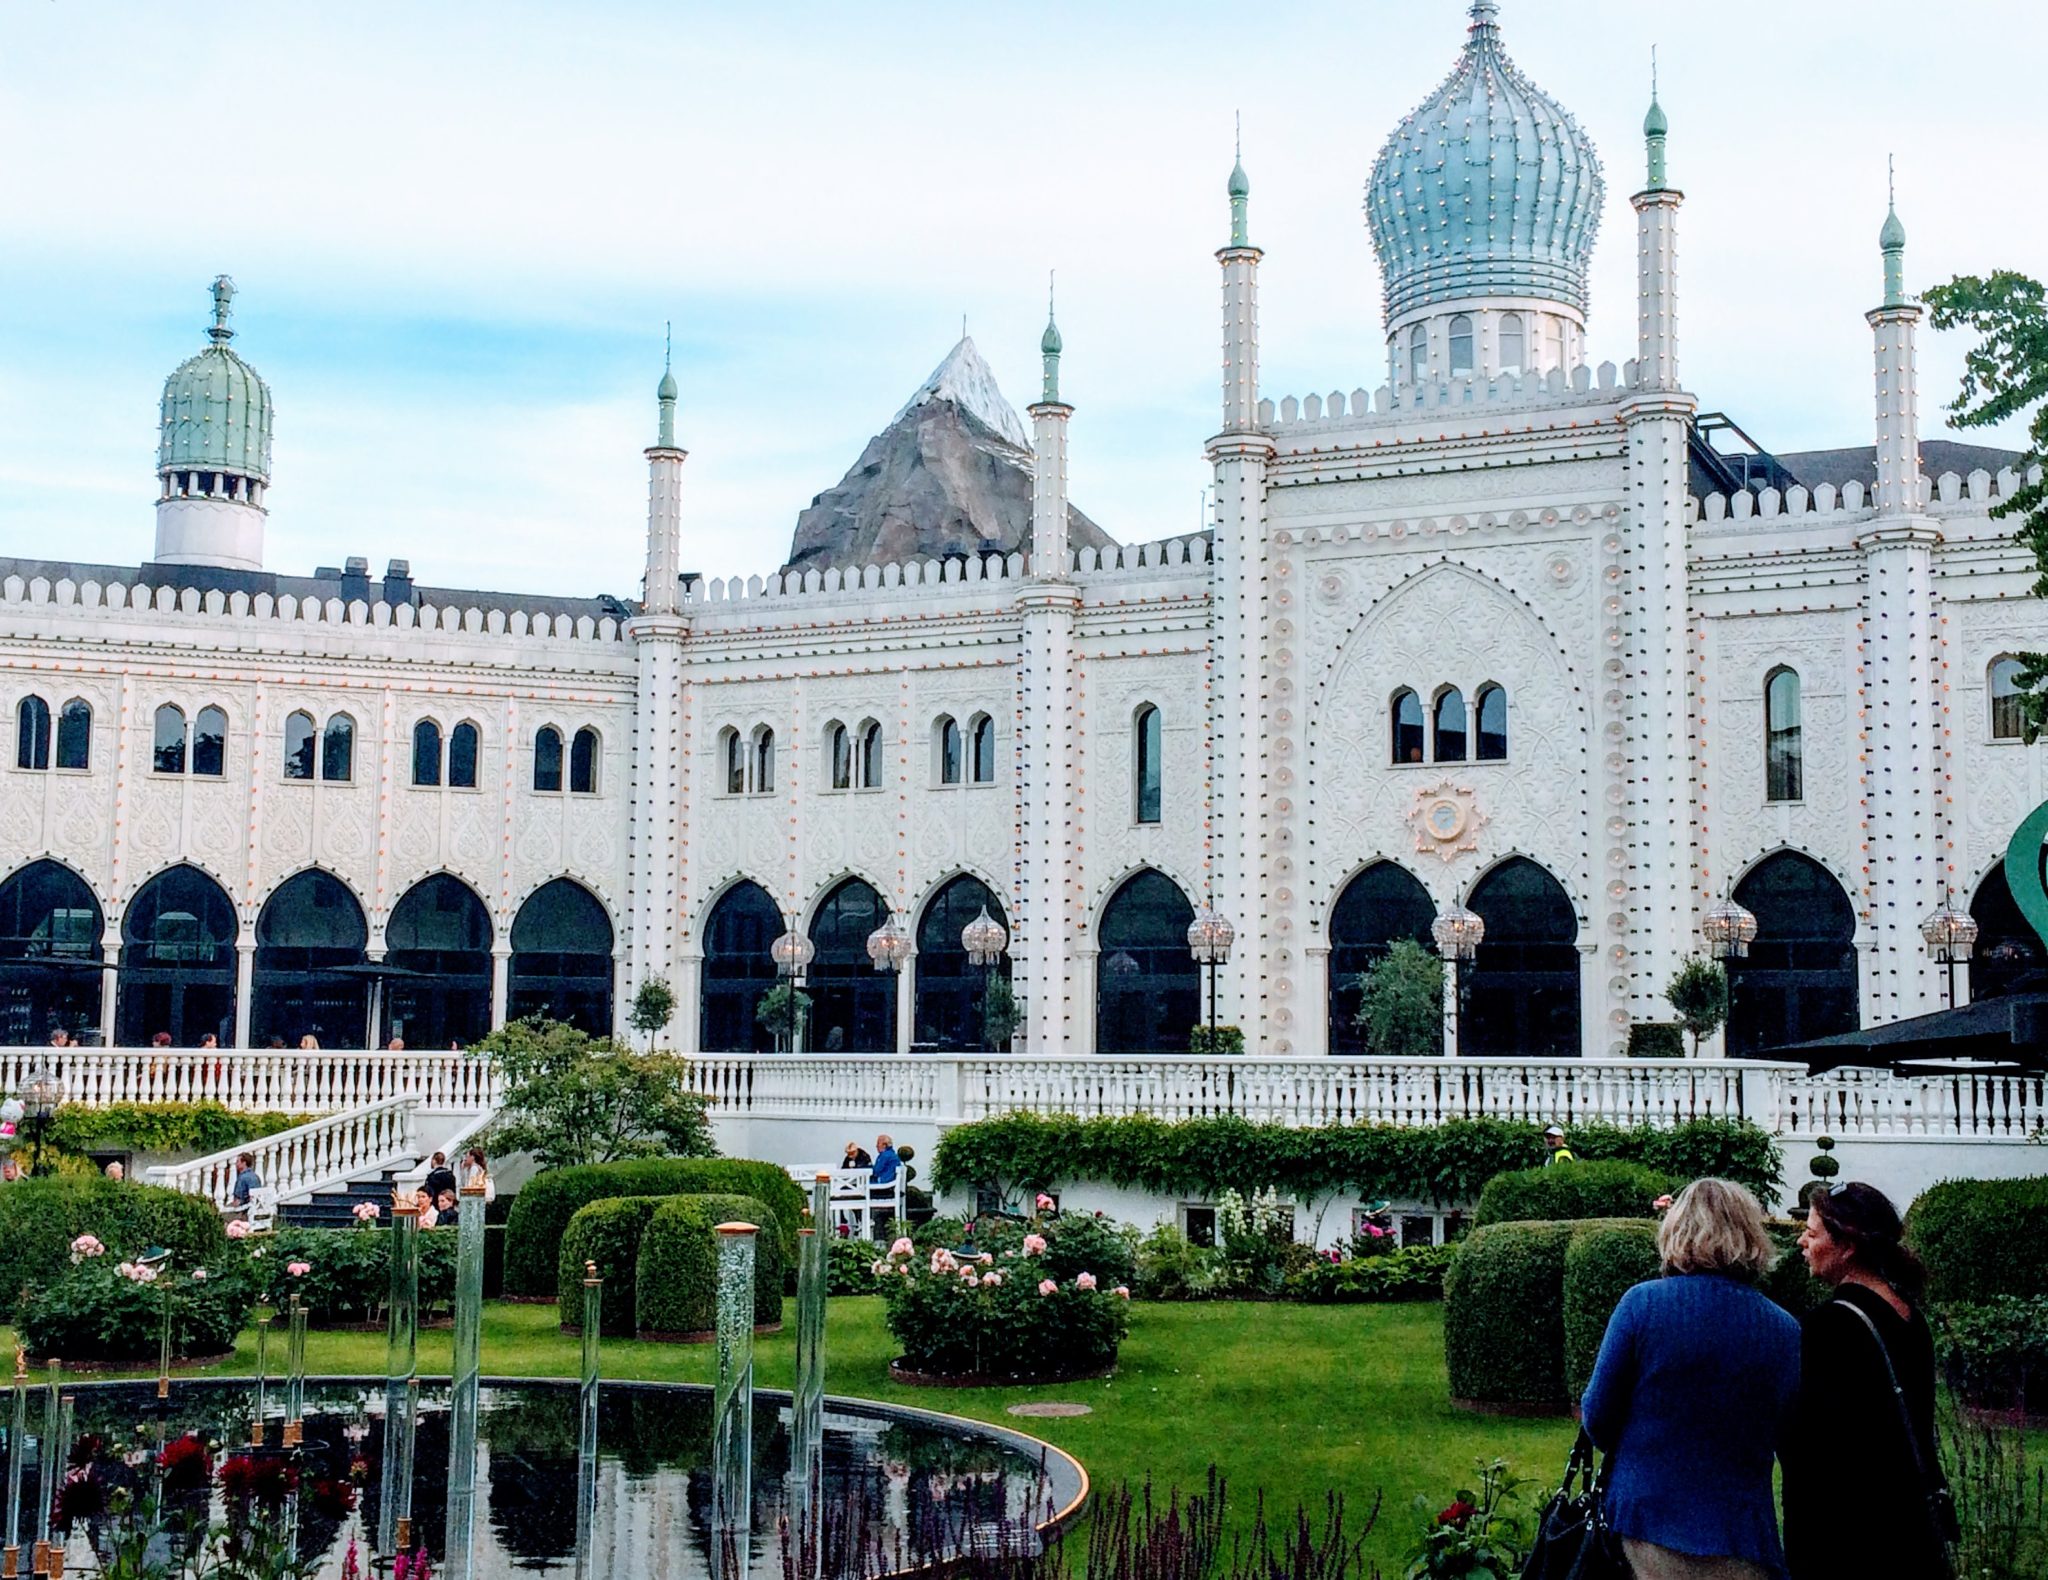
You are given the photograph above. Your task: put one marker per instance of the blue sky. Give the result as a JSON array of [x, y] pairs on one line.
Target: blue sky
[[458, 229]]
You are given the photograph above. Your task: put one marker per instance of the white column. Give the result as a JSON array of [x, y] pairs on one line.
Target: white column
[[245, 983], [688, 1026], [501, 983], [906, 1003], [654, 891], [110, 977]]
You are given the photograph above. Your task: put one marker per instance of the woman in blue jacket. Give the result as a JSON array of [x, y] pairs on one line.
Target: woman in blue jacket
[[1691, 1396]]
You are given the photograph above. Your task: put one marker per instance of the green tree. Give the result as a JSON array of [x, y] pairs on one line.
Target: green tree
[[1699, 992], [1402, 1010], [654, 1006], [772, 1015], [570, 1099], [998, 1012], [2005, 374]]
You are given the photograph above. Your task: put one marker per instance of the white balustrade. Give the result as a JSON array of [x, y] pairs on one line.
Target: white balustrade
[[295, 1081], [1949, 1105], [295, 1163]]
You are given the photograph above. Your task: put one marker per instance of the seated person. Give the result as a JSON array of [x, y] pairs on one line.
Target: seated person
[[856, 1157]]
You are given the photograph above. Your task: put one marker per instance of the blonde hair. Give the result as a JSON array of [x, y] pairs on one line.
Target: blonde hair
[[1715, 1226]]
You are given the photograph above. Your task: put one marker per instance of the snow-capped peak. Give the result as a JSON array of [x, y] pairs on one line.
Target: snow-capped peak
[[965, 379]]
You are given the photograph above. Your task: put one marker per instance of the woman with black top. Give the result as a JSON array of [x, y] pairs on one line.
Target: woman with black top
[[1857, 1487]]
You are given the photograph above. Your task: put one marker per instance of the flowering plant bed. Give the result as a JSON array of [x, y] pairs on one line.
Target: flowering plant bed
[[101, 1312]]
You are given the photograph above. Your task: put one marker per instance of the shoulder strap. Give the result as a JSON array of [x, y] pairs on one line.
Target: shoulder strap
[[1884, 1354]]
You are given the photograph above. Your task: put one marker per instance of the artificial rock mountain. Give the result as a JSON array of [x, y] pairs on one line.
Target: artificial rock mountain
[[951, 474]]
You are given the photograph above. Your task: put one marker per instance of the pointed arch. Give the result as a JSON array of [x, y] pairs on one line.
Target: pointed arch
[[32, 733], [465, 743], [74, 735], [167, 749], [853, 1006], [1523, 993], [2008, 957], [982, 748], [310, 928], [299, 736], [547, 760], [1799, 979], [1148, 989], [738, 928], [562, 943], [1382, 903], [947, 1015], [177, 961], [426, 752], [586, 753], [51, 931], [440, 935]]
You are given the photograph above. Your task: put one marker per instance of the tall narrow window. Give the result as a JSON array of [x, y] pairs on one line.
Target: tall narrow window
[[764, 760], [949, 751], [1449, 725], [871, 756], [734, 755], [74, 735], [298, 746], [1418, 354], [583, 755], [1461, 343], [984, 750], [1553, 342], [1493, 724], [839, 745], [547, 759], [338, 749], [1147, 766], [2008, 715], [169, 757], [210, 742], [462, 754], [1784, 750], [426, 753], [1513, 345], [32, 734], [1405, 716]]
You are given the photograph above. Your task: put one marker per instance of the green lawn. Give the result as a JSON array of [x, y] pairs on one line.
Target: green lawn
[[1290, 1398]]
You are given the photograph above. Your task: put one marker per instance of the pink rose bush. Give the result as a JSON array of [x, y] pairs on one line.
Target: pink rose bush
[[239, 1230], [367, 1212], [298, 1269], [1034, 1245], [85, 1246]]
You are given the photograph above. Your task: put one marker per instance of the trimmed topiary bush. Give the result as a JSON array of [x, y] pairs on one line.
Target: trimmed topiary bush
[[1606, 1258], [1995, 1353], [608, 1233], [677, 1274], [1414, 1273], [39, 1218], [1609, 1189], [1504, 1315], [540, 1214], [1983, 1239], [102, 1311]]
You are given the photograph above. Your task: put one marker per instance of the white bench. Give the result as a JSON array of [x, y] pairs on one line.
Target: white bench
[[857, 1205]]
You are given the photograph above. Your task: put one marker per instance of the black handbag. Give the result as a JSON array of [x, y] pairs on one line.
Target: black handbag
[[1941, 1503], [1573, 1539]]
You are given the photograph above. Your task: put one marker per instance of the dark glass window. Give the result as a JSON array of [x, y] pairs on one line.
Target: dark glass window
[[74, 735], [1148, 989], [1147, 764], [1405, 715], [1493, 724], [298, 746], [583, 755], [1461, 343], [310, 929], [1522, 989], [547, 758], [338, 749], [1450, 725], [210, 743], [840, 745], [984, 750], [1418, 355], [871, 757], [948, 1015], [1784, 746], [853, 1006], [562, 958], [50, 928], [1383, 903], [735, 762], [462, 754], [426, 753], [32, 733], [169, 754], [949, 752], [1799, 979], [177, 962], [2008, 956], [764, 760], [440, 936], [737, 969], [2008, 717]]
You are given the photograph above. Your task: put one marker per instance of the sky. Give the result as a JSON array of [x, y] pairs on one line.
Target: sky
[[458, 229]]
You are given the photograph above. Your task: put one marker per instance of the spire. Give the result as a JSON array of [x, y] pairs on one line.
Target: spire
[[1655, 126], [665, 392], [1240, 196], [223, 294], [1049, 348], [1485, 20], [1891, 242]]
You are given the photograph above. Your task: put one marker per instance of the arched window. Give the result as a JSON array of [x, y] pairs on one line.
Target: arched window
[[2008, 712], [426, 753], [764, 760], [1513, 345], [462, 754], [984, 750], [1449, 725], [1404, 715], [1461, 343], [871, 759], [737, 969], [839, 753], [547, 759], [949, 751], [1784, 748], [440, 935], [298, 746], [338, 749], [74, 735], [2008, 956], [168, 756], [50, 928], [1146, 767], [1553, 342], [1418, 354], [562, 958], [177, 962], [1148, 989], [733, 756], [32, 734], [210, 742], [583, 756], [1522, 988], [1383, 903], [950, 1011], [310, 926], [853, 1006], [1493, 724], [1798, 980]]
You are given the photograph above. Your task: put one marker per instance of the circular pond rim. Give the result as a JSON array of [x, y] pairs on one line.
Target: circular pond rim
[[1060, 1465]]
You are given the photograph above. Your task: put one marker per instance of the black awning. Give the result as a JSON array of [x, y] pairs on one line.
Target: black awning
[[2011, 1031]]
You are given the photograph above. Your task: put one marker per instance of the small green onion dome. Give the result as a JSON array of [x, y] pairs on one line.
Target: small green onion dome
[[1654, 124], [1049, 342], [1240, 183], [1893, 236], [216, 408], [666, 389]]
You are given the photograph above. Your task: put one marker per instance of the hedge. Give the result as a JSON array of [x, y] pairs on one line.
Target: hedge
[[1445, 1163], [677, 1276], [1608, 1188], [1995, 1353], [163, 1127], [540, 1214], [1504, 1315], [1983, 1239], [39, 1218], [348, 1277], [1415, 1272], [94, 1313], [606, 1232], [1606, 1258]]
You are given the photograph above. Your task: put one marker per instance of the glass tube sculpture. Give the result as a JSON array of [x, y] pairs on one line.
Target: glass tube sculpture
[[586, 1420], [469, 1310], [401, 1367], [732, 1410], [17, 1456], [295, 1376]]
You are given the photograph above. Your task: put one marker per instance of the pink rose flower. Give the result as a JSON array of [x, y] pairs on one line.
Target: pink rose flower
[[298, 1269], [238, 1230], [1085, 1281], [86, 1245], [970, 1275], [198, 1275], [1661, 1203], [992, 1278], [1034, 1244], [1121, 1293], [1044, 1202], [366, 1211], [1046, 1286], [903, 1247]]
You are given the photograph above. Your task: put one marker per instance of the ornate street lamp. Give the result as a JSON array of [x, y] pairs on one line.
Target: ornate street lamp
[[791, 953], [1729, 929], [1951, 936], [1458, 933], [985, 939], [41, 1094], [889, 946], [1209, 941]]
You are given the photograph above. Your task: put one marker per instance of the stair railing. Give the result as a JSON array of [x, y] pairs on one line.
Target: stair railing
[[295, 1163]]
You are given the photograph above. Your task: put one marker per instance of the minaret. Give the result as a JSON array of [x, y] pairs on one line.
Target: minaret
[[1047, 601], [1899, 731], [1238, 573], [1660, 716], [659, 758], [213, 455]]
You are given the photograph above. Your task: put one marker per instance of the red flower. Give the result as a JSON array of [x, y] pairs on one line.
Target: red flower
[[185, 1463], [85, 1448], [267, 1482], [1457, 1514], [333, 1499], [80, 1498]]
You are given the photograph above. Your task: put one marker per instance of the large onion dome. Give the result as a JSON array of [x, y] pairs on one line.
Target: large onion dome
[[1488, 188], [216, 408]]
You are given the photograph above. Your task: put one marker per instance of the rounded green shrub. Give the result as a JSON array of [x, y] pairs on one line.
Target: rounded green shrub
[[677, 1274], [39, 1218], [1606, 1258], [1504, 1315], [1005, 1319], [540, 1213], [348, 1271], [1983, 1239], [1607, 1189], [1415, 1272], [97, 1313], [608, 1233], [1995, 1353]]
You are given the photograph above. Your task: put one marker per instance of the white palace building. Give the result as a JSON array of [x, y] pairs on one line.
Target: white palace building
[[1520, 631]]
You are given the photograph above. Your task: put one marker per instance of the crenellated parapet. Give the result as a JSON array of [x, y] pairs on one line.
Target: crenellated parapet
[[1948, 493], [1582, 386]]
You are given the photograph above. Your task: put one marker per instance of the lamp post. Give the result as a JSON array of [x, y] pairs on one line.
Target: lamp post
[[1458, 933], [985, 939], [1209, 941], [1951, 936], [791, 953], [1729, 930], [40, 1094]]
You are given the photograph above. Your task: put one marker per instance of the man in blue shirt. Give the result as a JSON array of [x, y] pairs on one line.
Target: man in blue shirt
[[886, 1164], [247, 1181]]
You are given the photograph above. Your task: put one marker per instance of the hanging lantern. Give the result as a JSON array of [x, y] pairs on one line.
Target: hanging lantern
[[1951, 934], [1458, 933], [984, 939], [1729, 930], [1210, 937], [889, 946], [791, 952]]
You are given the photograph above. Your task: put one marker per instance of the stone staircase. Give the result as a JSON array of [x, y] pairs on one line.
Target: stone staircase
[[335, 1206]]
